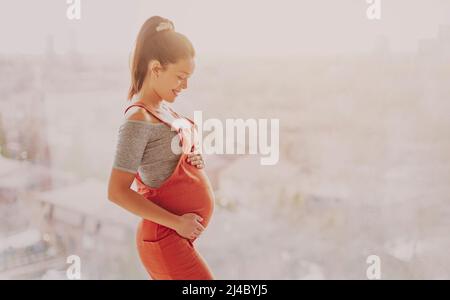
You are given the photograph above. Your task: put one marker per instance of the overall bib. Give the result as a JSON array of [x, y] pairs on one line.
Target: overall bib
[[164, 253]]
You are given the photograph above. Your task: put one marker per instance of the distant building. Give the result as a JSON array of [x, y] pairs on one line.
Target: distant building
[[29, 254], [444, 33], [444, 39], [84, 208], [17, 180], [25, 251], [437, 49], [77, 219]]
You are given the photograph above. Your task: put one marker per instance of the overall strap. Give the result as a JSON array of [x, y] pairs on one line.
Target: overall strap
[[154, 114], [178, 115], [150, 111]]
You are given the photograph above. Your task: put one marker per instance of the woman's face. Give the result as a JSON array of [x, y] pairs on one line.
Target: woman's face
[[173, 79]]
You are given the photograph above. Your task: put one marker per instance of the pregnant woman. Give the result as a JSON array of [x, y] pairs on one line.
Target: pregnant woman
[[158, 151]]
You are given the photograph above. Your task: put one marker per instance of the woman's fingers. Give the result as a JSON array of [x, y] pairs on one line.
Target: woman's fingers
[[196, 160], [198, 164], [192, 154], [200, 226], [197, 231], [194, 157]]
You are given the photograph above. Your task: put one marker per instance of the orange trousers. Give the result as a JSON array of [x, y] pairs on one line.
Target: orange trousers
[[171, 257]]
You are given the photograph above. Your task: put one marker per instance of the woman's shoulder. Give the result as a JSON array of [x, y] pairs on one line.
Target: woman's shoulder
[[140, 115]]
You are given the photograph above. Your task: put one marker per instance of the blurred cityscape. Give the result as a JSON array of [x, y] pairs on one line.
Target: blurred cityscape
[[364, 165]]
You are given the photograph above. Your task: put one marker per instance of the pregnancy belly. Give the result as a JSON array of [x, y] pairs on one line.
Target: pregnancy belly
[[188, 196]]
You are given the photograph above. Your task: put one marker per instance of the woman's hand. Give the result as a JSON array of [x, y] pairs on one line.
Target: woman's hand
[[196, 159], [189, 226]]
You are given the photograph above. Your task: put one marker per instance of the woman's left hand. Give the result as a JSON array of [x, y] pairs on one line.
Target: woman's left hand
[[196, 159]]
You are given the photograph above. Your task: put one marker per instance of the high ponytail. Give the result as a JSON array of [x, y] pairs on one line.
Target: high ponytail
[[157, 39]]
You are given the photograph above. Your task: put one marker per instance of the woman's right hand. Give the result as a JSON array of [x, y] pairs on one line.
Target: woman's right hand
[[189, 226]]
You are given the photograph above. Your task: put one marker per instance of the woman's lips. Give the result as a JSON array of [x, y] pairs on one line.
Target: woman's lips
[[175, 92]]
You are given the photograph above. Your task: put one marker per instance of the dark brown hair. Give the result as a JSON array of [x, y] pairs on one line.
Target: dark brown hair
[[166, 46]]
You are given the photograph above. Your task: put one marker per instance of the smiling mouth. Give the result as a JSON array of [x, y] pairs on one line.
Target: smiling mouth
[[175, 92]]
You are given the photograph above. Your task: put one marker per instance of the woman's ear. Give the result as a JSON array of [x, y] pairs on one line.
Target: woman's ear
[[154, 68]]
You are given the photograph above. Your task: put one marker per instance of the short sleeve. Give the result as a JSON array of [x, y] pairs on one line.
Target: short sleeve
[[131, 143]]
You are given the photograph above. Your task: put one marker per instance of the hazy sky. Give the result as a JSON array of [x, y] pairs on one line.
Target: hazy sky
[[243, 27]]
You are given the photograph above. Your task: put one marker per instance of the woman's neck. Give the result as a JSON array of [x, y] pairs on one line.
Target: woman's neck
[[150, 98]]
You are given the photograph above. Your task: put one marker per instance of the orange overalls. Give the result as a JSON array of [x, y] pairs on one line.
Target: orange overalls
[[164, 253]]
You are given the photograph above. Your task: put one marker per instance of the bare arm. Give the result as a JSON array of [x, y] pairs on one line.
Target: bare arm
[[120, 193]]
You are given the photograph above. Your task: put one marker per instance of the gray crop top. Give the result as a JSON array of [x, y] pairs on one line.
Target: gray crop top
[[146, 148]]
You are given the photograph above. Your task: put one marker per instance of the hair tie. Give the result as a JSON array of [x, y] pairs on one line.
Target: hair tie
[[164, 26]]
